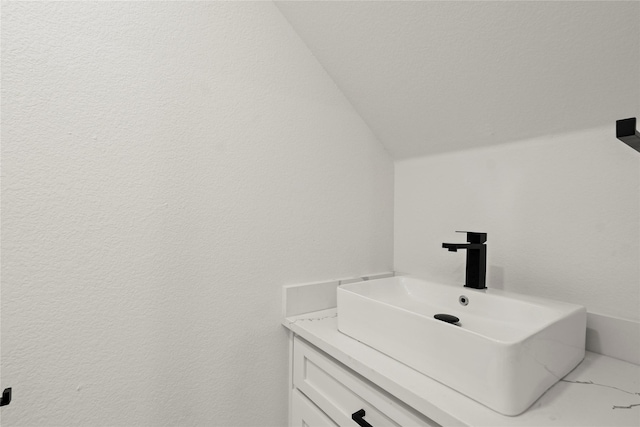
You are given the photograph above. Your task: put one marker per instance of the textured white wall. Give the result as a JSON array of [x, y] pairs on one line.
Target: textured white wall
[[167, 167], [561, 215]]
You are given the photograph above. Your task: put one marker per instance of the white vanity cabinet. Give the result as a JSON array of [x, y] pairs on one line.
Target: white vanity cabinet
[[333, 376], [327, 393]]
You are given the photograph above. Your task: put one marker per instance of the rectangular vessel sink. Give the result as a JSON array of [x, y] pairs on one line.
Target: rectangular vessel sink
[[506, 350]]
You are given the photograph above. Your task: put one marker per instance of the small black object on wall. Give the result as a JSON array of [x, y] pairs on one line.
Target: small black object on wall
[[6, 397], [627, 133]]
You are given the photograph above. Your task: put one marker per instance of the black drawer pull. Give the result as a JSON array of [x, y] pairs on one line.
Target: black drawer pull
[[358, 417]]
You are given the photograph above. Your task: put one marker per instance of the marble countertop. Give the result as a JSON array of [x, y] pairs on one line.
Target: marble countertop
[[600, 391]]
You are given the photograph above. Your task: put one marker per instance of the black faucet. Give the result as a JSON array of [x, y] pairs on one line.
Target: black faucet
[[476, 258]]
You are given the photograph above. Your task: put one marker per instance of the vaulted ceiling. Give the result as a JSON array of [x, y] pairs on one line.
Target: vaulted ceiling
[[431, 77]]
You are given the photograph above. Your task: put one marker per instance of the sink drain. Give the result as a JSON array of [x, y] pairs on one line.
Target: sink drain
[[448, 318], [463, 300]]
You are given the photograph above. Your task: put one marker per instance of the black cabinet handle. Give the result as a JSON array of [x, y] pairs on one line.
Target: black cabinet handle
[[358, 417]]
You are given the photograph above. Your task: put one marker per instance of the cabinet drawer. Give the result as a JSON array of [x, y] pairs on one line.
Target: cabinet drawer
[[305, 414], [340, 392]]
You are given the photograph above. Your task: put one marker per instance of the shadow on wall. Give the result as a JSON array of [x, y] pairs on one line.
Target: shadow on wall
[[496, 277]]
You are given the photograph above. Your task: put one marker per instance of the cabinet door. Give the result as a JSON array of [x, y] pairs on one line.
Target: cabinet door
[[305, 414]]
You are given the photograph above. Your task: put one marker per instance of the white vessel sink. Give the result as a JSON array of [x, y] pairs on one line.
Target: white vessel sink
[[505, 352]]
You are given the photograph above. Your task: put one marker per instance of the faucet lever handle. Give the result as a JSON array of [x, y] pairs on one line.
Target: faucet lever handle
[[475, 237]]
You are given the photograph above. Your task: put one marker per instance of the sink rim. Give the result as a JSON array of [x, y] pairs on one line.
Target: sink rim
[[559, 309]]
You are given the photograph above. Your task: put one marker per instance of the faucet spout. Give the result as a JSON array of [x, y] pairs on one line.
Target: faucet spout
[[453, 247]]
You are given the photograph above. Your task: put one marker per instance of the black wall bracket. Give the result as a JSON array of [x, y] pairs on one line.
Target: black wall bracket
[[627, 133], [6, 397]]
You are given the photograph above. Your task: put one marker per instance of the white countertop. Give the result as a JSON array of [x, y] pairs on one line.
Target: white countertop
[[600, 391]]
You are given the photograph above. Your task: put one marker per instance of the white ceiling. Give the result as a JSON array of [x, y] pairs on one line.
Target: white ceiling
[[430, 77]]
